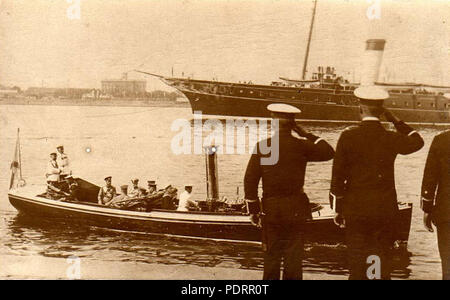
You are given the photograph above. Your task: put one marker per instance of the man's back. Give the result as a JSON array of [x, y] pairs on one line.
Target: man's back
[[436, 179], [287, 176], [363, 170]]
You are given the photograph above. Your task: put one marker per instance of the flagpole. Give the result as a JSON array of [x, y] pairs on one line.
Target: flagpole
[[20, 153], [16, 165]]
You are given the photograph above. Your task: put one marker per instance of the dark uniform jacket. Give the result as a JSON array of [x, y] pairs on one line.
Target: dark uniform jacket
[[362, 181], [285, 178], [436, 179]]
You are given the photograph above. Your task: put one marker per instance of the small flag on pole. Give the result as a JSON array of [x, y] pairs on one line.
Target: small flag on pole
[[16, 166]]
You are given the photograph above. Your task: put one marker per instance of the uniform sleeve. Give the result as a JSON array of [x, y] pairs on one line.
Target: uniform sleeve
[[430, 178], [407, 140], [51, 169], [251, 182], [339, 175], [317, 149]]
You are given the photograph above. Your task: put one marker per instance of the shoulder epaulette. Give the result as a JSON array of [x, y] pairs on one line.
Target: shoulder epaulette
[[352, 127]]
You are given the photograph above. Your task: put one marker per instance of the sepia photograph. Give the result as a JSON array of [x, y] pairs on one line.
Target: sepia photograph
[[225, 141]]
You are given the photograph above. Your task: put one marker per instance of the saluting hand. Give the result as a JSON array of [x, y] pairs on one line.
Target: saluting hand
[[300, 131], [427, 222], [389, 116], [255, 220], [339, 220]]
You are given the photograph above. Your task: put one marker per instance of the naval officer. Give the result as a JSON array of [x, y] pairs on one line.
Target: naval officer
[[435, 200], [107, 192], [284, 206], [362, 186]]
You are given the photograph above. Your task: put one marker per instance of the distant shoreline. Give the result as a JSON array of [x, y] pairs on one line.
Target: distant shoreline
[[95, 102]]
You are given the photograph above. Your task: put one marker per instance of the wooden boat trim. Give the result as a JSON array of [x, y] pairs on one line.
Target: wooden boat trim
[[145, 216]]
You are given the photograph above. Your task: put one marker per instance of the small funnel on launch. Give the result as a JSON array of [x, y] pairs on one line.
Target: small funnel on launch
[[372, 61], [212, 178]]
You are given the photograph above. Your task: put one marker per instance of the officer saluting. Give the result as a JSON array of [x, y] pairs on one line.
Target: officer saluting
[[363, 187], [435, 200], [284, 206]]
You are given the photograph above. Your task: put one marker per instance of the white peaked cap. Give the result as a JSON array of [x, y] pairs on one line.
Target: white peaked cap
[[371, 93], [283, 108]]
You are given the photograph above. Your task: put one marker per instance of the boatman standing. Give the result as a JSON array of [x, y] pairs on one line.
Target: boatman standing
[[63, 162], [435, 200], [363, 191], [53, 177], [107, 192], [284, 206]]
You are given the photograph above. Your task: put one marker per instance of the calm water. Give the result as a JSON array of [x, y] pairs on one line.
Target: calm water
[[135, 142]]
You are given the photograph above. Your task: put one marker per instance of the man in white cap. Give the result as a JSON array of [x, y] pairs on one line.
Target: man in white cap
[[63, 162], [284, 207], [54, 190], [363, 187], [185, 204]]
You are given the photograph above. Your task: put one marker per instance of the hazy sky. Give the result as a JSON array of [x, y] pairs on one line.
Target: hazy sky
[[233, 40]]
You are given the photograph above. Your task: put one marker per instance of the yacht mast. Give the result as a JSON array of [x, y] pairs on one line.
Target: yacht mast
[[305, 63]]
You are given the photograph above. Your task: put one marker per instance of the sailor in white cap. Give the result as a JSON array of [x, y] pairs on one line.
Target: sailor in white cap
[[53, 172], [284, 207], [363, 187], [185, 203], [63, 162]]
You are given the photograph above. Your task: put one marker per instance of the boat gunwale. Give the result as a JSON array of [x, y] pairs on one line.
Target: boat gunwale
[[143, 216], [157, 215], [266, 87]]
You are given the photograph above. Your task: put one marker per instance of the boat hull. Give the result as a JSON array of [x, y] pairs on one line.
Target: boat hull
[[221, 105], [320, 103], [186, 224]]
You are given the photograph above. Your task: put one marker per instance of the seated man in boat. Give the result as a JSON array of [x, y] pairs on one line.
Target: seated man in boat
[[163, 199], [185, 203], [124, 201], [120, 200], [73, 189], [169, 198], [55, 193], [151, 188], [136, 191], [107, 192]]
